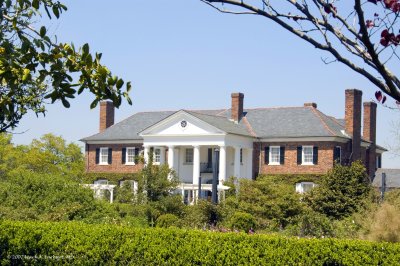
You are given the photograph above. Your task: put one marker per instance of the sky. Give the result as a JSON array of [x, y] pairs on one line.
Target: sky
[[182, 54]]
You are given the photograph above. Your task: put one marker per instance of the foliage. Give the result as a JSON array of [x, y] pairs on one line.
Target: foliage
[[77, 243], [35, 67], [167, 220], [312, 224], [113, 178], [341, 192], [270, 200], [363, 35], [385, 224], [49, 155], [201, 215], [242, 221], [157, 181]]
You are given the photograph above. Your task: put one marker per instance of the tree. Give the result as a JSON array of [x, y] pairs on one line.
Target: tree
[[35, 67], [361, 35], [343, 191]]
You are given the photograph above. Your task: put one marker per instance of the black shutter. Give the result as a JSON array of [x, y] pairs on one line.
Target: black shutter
[[136, 155], [266, 155], [97, 156], [315, 155], [299, 154], [109, 156], [123, 155], [282, 154]]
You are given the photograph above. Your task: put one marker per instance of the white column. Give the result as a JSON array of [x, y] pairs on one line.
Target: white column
[[196, 164], [249, 162], [236, 170], [222, 164], [171, 156], [162, 155], [111, 195], [146, 154]]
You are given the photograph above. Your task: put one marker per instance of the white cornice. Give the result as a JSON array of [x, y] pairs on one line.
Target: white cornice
[[305, 139], [138, 141]]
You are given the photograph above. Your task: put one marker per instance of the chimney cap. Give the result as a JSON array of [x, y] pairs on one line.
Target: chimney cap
[[353, 91], [237, 94], [314, 105], [370, 103]]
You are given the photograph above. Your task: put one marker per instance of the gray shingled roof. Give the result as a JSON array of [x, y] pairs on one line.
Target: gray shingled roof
[[392, 178], [291, 122], [129, 128], [285, 122]]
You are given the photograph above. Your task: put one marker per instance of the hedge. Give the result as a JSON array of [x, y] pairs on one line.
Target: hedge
[[78, 243]]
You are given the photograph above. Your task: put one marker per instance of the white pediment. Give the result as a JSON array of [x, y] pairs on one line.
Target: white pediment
[[181, 123]]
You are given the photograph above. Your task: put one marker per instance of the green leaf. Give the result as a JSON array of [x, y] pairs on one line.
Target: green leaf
[[42, 31], [36, 4], [85, 50], [56, 12], [65, 103], [120, 83], [128, 86], [93, 104]]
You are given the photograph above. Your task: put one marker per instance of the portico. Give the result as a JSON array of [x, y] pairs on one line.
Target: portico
[[187, 143]]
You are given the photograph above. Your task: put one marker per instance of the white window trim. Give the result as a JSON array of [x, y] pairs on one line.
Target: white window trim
[[340, 154], [270, 155], [100, 157], [302, 155], [185, 157], [154, 156], [126, 155], [299, 186]]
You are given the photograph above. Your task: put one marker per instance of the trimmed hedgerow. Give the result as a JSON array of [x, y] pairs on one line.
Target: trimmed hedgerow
[[78, 243]]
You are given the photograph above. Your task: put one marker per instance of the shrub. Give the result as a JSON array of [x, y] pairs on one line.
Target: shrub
[[167, 220], [385, 224], [313, 224], [242, 221], [343, 191], [27, 243]]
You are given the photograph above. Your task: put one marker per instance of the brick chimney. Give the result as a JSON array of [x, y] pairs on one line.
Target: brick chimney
[[106, 115], [237, 106], [353, 121], [314, 105], [369, 133]]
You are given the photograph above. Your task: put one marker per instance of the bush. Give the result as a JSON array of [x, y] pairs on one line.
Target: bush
[[242, 221], [385, 224], [312, 224], [167, 220], [343, 191], [60, 243]]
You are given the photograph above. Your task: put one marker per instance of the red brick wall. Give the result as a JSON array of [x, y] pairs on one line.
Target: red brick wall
[[325, 158], [237, 106], [353, 120], [369, 133], [106, 115], [116, 166]]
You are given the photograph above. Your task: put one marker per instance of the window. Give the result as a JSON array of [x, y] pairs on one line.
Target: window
[[103, 156], [241, 155], [307, 155], [337, 155], [274, 155], [189, 156], [130, 155], [157, 155], [304, 187]]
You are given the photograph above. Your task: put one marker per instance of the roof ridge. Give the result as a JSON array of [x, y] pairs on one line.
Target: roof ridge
[[249, 127], [318, 113], [276, 107]]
